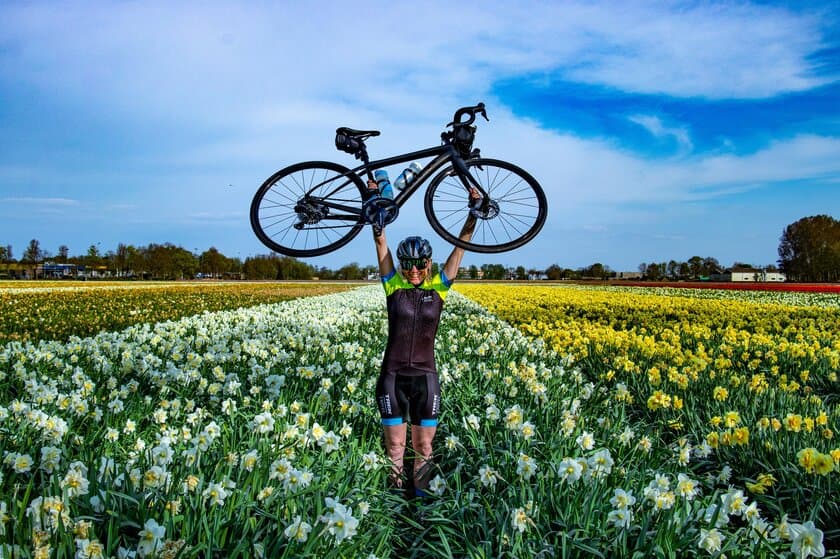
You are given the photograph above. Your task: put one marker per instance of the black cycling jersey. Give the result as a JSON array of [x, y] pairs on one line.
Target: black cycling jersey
[[413, 319]]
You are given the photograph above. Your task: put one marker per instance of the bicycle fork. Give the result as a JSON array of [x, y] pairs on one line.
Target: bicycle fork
[[483, 207]]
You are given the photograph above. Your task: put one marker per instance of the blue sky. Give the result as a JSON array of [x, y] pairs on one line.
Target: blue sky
[[659, 131]]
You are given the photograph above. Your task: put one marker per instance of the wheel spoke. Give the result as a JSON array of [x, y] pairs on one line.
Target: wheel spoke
[[294, 214], [512, 215]]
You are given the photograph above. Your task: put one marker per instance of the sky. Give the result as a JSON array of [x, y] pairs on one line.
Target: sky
[[659, 131]]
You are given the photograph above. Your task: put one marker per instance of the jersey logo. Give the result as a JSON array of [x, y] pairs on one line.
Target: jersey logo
[[427, 299]]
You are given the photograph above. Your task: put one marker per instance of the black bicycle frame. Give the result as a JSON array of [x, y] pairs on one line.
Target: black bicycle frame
[[442, 155]]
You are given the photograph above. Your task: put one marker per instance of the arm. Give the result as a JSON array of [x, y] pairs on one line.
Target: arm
[[383, 253], [453, 263]]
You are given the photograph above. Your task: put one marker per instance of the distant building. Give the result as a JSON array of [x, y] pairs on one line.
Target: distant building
[[59, 271], [629, 275], [742, 274]]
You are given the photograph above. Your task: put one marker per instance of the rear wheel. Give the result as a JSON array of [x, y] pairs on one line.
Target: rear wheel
[[308, 209], [512, 214]]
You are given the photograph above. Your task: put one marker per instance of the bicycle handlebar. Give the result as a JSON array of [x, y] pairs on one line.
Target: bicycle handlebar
[[471, 111]]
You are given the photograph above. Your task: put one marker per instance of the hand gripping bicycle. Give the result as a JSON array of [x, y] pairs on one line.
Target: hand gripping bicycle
[[315, 207]]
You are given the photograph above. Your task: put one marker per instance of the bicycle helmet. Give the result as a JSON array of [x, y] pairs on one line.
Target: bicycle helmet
[[414, 247]]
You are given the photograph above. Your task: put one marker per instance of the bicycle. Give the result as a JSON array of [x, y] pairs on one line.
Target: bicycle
[[315, 207]]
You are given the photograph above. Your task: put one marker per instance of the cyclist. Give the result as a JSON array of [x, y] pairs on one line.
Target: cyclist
[[408, 383]]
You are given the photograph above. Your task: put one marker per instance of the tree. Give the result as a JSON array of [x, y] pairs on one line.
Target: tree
[[6, 256], [695, 267], [324, 273], [473, 271], [63, 253], [655, 271], [185, 263], [711, 266], [493, 271], [596, 270], [134, 261], [32, 255], [121, 259], [92, 258], [289, 268], [260, 267], [33, 252], [809, 249], [521, 273], [554, 272], [212, 262]]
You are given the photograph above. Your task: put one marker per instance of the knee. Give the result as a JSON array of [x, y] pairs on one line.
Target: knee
[[395, 449], [422, 448]]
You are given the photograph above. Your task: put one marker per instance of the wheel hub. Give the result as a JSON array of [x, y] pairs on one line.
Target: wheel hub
[[309, 213], [485, 209]]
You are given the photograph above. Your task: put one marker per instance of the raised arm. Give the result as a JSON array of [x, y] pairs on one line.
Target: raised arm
[[383, 253], [453, 263]]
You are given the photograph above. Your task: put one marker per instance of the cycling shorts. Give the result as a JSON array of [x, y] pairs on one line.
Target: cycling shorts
[[413, 396]]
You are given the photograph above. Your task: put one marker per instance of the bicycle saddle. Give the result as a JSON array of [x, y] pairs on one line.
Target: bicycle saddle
[[357, 133]]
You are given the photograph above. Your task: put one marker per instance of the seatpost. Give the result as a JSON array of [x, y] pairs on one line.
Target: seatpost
[[363, 155]]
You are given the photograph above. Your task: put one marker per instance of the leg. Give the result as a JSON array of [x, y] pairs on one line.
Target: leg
[[395, 448], [421, 442], [424, 425], [393, 425]]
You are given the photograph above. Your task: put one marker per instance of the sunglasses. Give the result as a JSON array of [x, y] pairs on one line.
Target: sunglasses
[[419, 263]]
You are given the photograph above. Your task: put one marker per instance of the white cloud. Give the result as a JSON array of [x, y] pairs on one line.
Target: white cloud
[[42, 202], [588, 179], [655, 126], [235, 63]]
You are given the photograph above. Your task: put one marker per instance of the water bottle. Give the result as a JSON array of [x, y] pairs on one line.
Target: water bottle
[[381, 178], [408, 175]]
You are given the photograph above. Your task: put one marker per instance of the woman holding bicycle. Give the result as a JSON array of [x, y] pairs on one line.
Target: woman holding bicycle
[[408, 385]]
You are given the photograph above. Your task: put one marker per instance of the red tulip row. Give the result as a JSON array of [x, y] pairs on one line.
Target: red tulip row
[[801, 287]]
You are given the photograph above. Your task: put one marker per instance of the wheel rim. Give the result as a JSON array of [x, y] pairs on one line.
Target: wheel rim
[[514, 213], [289, 214]]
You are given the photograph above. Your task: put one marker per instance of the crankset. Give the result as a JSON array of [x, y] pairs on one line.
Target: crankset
[[380, 211]]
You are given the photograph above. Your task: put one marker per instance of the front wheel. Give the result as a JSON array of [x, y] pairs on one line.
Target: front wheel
[[308, 209], [512, 214]]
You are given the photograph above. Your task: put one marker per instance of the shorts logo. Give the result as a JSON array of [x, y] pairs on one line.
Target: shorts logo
[[384, 405], [435, 405]]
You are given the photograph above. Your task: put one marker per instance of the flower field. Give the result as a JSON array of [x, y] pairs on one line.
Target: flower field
[[601, 423], [58, 310], [744, 383]]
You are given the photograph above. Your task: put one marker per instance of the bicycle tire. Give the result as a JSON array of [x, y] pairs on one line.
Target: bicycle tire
[[280, 227], [521, 207]]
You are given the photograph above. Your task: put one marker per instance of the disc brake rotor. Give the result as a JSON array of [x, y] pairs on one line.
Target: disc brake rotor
[[485, 209], [309, 213]]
